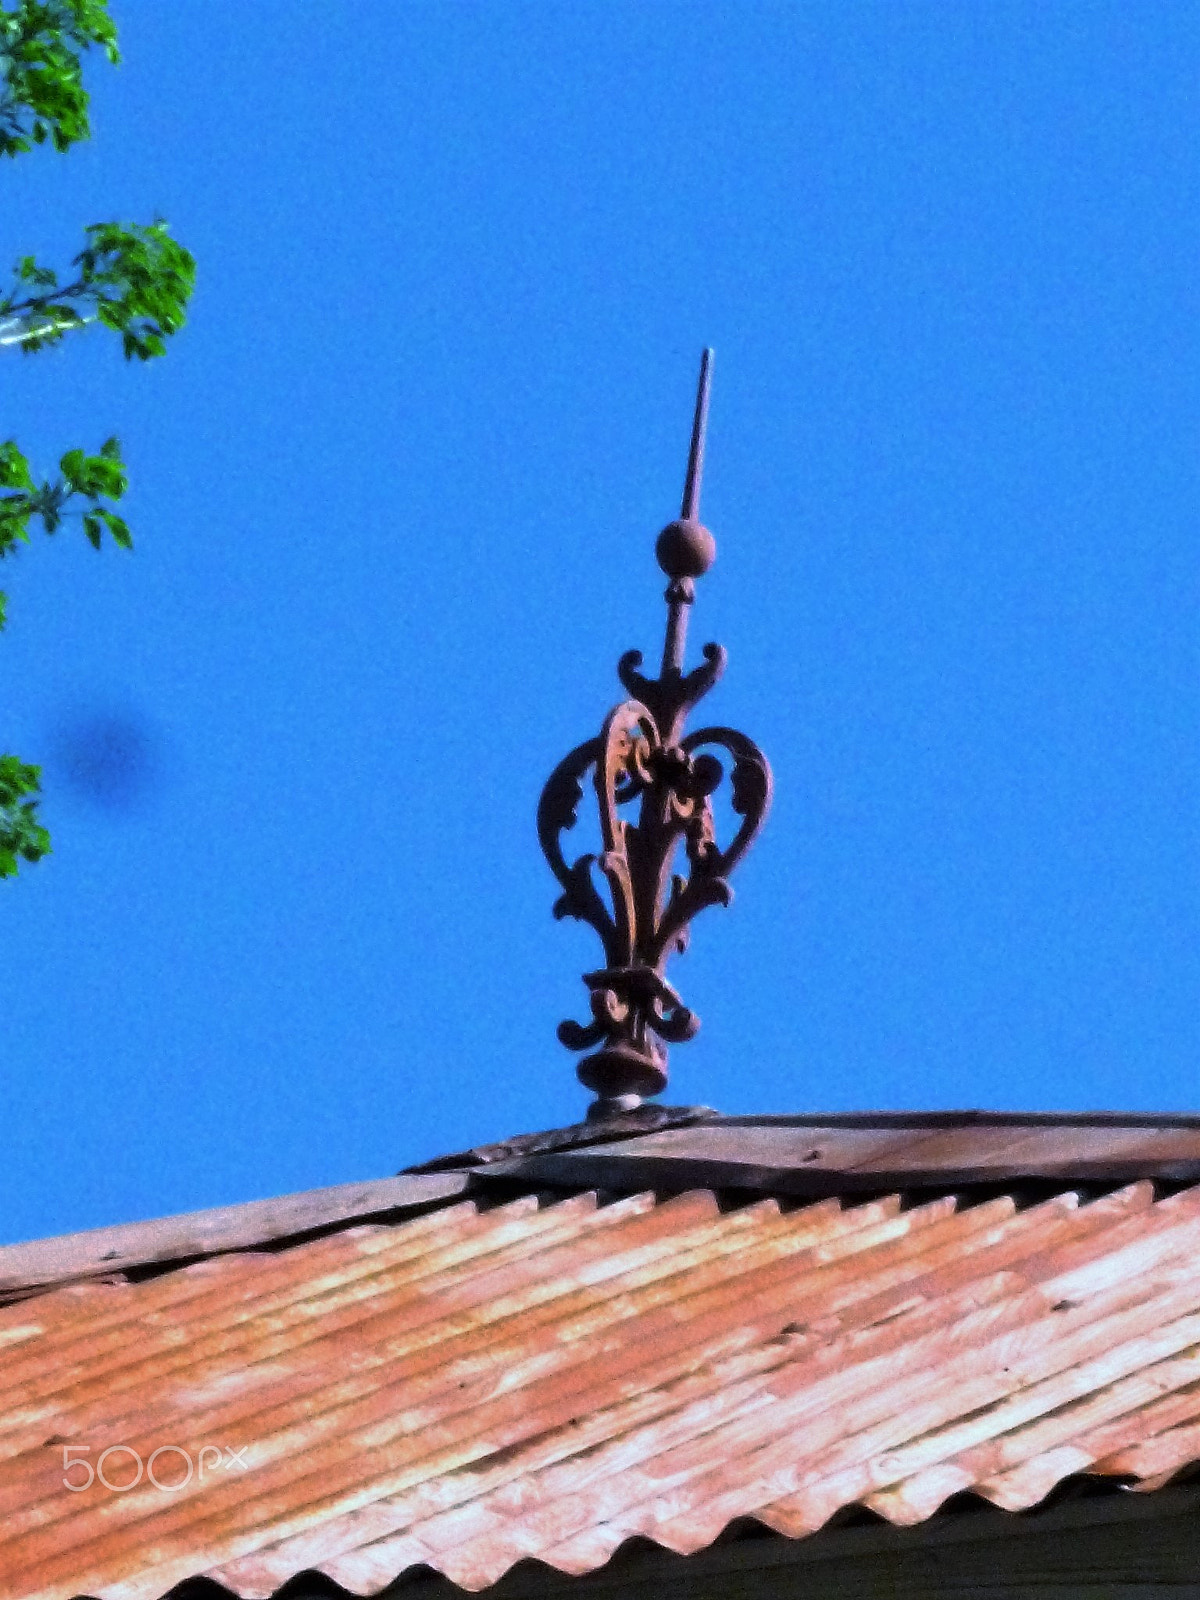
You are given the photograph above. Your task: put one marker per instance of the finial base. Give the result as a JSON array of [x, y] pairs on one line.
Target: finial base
[[605, 1107], [622, 1069]]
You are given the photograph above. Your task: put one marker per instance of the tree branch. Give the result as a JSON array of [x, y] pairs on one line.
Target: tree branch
[[132, 278]]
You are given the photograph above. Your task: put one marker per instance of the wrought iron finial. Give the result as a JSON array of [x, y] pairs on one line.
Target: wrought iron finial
[[643, 758]]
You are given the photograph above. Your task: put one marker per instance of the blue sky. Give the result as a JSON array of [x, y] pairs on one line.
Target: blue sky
[[395, 491]]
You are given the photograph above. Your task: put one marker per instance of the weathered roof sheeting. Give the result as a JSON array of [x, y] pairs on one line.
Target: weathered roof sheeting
[[469, 1388]]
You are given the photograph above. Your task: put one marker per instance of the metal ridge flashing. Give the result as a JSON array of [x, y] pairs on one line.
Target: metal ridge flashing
[[969, 1117], [666, 1148], [105, 1252], [823, 1156], [631, 1124]]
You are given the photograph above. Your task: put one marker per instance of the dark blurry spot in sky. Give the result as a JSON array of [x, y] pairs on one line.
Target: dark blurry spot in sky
[[110, 758]]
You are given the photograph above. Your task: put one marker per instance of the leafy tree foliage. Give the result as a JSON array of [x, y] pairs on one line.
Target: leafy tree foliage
[[135, 280], [132, 278], [42, 46]]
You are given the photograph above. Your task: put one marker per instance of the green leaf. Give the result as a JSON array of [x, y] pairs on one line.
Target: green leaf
[[27, 270], [72, 467], [119, 528], [14, 469]]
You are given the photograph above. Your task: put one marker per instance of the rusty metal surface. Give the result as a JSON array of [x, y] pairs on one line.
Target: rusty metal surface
[[642, 758], [867, 1154], [469, 1388], [105, 1251]]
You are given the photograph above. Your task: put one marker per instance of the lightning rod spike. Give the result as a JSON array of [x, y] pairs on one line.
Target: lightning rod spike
[[690, 508]]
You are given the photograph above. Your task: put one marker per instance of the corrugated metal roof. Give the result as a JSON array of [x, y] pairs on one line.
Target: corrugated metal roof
[[469, 1388]]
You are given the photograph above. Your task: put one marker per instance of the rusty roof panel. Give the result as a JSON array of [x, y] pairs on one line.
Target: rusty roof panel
[[470, 1387]]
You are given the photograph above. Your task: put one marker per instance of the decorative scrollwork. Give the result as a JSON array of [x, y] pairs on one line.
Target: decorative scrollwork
[[635, 1010], [642, 759]]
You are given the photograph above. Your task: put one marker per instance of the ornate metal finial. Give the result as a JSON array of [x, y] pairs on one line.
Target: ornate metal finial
[[643, 756]]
